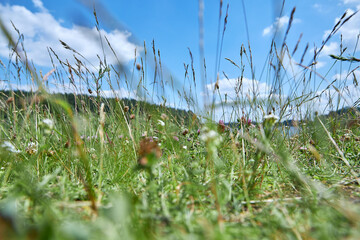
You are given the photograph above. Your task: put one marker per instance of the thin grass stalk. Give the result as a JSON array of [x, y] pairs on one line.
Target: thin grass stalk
[[343, 158]]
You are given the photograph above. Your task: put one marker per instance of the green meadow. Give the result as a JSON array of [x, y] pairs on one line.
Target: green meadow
[[86, 166]]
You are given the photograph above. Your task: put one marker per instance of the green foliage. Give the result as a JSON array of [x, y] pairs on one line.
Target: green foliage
[[75, 166]]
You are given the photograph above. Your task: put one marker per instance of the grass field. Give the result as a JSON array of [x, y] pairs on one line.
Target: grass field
[[99, 168]]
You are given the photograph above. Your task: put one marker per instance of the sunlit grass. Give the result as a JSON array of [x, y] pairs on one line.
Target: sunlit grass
[[81, 166]]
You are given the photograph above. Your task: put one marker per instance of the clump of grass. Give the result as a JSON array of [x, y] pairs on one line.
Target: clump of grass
[[81, 166]]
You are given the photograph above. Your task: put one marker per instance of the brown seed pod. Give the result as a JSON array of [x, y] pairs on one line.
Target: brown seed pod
[[9, 100], [148, 146], [186, 131]]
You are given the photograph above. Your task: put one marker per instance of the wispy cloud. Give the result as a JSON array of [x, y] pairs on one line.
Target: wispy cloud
[[278, 25], [346, 93], [349, 31], [351, 1], [346, 75], [320, 64], [232, 86], [39, 5], [41, 30], [331, 48]]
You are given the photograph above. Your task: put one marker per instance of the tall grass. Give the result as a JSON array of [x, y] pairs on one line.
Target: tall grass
[[112, 168]]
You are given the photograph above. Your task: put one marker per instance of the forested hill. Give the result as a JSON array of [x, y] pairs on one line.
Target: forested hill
[[345, 115], [86, 103]]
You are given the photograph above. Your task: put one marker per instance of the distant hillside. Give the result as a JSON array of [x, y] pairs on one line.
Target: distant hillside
[[83, 103], [344, 115]]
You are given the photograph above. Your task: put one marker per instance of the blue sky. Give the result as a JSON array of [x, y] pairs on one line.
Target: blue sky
[[174, 25]]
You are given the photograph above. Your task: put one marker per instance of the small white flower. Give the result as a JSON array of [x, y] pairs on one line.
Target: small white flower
[[161, 123], [184, 147], [9, 146], [210, 136], [31, 148], [49, 123], [271, 119]]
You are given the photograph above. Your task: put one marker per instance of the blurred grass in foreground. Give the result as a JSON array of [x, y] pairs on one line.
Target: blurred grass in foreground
[[93, 167]]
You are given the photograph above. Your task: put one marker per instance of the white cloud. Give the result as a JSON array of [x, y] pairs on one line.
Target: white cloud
[[346, 75], [330, 99], [345, 94], [42, 30], [278, 25], [248, 86], [320, 64], [349, 31], [237, 102], [39, 4], [351, 1], [331, 48]]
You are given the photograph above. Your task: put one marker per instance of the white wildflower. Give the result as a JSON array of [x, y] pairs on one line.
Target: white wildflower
[[212, 140], [32, 148], [9, 146], [161, 123], [271, 119], [48, 123], [184, 147], [210, 136]]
